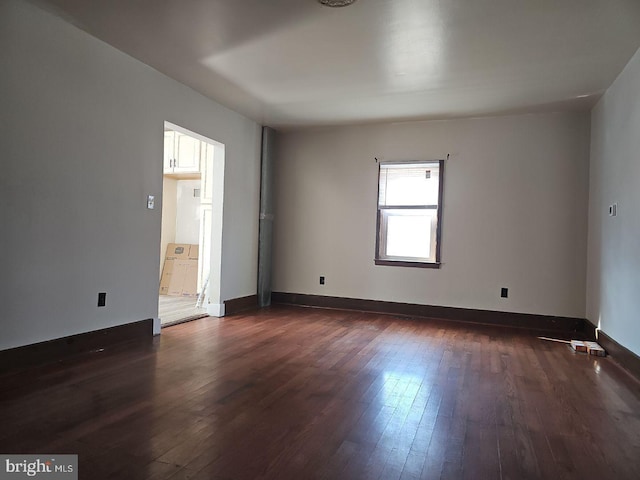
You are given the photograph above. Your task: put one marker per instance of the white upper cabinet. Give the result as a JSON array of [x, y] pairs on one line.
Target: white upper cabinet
[[181, 153], [187, 154], [169, 151]]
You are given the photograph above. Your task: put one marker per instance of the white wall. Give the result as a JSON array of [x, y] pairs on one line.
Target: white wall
[[169, 209], [82, 147], [613, 295], [515, 212], [187, 213]]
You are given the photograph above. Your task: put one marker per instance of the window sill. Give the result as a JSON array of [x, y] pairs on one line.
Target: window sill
[[403, 263]]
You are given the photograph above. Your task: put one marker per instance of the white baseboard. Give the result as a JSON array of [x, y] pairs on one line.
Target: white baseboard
[[215, 309]]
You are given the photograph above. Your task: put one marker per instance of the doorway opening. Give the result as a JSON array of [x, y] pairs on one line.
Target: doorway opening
[[190, 238]]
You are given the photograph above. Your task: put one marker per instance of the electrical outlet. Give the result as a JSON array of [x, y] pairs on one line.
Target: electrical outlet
[[504, 292], [102, 299], [321, 280], [151, 202]]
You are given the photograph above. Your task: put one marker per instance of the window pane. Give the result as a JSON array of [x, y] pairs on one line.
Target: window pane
[[409, 184], [410, 233]]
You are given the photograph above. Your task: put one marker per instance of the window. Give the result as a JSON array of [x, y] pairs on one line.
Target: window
[[409, 214]]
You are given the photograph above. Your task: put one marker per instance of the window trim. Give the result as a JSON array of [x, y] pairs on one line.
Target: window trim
[[438, 235]]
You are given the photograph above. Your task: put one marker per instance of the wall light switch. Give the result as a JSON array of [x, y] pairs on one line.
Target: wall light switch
[[151, 202]]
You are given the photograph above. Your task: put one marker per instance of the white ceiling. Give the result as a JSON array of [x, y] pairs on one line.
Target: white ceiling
[[290, 63]]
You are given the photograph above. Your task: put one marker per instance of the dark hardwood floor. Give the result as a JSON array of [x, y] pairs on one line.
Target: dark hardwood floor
[[294, 393]]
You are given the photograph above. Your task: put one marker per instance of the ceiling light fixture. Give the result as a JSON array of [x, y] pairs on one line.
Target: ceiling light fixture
[[336, 3]]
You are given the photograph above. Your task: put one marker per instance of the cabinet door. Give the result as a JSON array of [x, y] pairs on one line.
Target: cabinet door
[[207, 173], [204, 258], [187, 154], [169, 151]]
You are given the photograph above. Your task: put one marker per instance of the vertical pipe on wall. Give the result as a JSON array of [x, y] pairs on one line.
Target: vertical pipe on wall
[[266, 217]]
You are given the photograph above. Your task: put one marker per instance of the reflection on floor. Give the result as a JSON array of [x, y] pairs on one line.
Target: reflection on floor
[[172, 310]]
